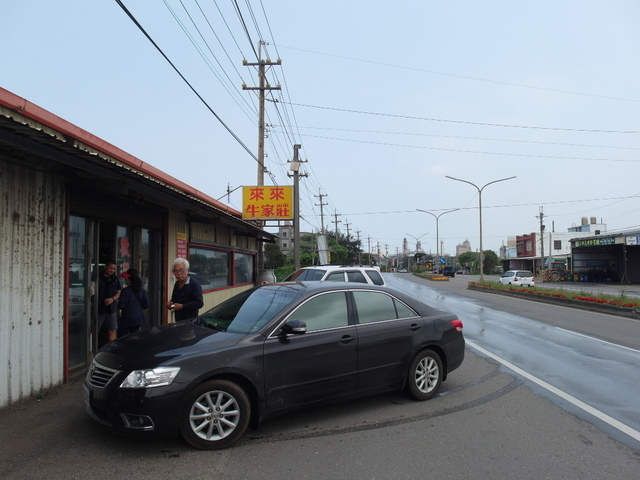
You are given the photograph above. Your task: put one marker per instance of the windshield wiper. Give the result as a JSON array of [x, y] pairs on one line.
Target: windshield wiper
[[212, 326]]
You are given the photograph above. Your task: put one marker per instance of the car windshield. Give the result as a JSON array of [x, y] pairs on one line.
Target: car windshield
[[251, 310]]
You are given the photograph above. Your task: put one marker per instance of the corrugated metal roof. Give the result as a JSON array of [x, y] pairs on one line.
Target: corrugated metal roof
[[28, 125]]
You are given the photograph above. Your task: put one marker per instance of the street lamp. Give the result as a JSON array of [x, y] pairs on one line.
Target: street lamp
[[416, 239], [437, 217], [480, 210]]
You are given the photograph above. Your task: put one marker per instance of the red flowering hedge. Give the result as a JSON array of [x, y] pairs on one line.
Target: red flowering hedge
[[556, 294]]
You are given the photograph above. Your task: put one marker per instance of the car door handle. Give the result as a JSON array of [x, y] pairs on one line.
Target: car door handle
[[347, 339], [415, 327]]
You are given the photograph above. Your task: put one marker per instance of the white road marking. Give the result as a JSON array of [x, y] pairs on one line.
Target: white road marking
[[569, 398], [599, 340]]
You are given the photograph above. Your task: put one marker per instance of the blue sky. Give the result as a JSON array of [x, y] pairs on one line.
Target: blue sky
[[386, 99]]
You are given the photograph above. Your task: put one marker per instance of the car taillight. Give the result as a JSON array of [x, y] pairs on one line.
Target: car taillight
[[515, 279], [457, 324]]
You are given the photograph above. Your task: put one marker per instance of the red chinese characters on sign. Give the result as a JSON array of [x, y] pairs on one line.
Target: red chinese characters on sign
[[181, 245], [267, 203]]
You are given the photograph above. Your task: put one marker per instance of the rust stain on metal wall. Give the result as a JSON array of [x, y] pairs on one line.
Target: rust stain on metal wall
[[32, 284]]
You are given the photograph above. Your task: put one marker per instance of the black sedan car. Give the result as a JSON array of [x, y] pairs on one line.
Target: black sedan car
[[269, 350]]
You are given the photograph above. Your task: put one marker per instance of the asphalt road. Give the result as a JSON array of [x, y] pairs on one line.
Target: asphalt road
[[585, 361], [487, 423]]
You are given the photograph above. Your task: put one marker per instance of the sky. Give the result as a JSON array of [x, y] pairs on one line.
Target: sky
[[387, 99]]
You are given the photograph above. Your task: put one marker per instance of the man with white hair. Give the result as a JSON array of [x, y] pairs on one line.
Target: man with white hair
[[186, 298]]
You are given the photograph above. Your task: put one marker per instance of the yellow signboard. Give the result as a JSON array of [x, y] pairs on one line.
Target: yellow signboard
[[267, 203]]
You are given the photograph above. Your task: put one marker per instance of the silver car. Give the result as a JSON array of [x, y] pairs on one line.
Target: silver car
[[338, 273], [521, 278]]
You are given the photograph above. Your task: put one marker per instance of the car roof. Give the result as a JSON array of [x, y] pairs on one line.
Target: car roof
[[311, 288], [339, 267]]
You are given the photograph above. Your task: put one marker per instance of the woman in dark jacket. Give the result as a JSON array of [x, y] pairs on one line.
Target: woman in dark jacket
[[133, 300]]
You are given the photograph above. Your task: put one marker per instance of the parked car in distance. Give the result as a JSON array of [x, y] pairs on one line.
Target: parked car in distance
[[266, 351], [521, 278], [338, 273], [449, 271]]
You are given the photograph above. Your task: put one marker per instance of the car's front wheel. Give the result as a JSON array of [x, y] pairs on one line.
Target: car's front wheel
[[425, 375], [214, 415]]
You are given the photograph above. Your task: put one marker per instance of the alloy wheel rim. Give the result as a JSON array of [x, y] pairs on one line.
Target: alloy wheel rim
[[214, 415], [427, 375]]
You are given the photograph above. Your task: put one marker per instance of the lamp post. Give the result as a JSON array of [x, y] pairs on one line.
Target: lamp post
[[437, 217], [416, 239], [480, 210]]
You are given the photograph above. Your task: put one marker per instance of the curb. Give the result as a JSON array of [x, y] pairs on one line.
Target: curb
[[563, 302]]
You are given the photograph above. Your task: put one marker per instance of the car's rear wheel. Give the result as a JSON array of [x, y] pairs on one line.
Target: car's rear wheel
[[214, 415], [425, 375]]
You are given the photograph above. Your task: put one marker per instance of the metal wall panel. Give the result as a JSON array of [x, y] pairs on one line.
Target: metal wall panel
[[32, 238]]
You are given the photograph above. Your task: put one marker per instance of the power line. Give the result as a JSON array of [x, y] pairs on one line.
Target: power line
[[133, 19], [516, 205], [463, 122], [466, 77], [441, 149], [461, 137], [246, 30]]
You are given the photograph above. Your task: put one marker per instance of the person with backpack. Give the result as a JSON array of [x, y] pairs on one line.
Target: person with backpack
[[132, 303]]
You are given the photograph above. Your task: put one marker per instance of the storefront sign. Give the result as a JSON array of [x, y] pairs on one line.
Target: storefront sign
[[181, 245], [267, 203], [596, 242], [633, 240]]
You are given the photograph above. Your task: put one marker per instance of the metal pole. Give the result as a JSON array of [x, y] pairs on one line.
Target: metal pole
[[437, 217], [416, 239], [480, 208], [296, 208]]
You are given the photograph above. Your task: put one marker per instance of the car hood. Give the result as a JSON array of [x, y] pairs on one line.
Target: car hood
[[164, 344]]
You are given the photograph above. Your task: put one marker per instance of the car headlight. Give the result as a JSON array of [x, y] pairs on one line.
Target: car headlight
[[155, 377]]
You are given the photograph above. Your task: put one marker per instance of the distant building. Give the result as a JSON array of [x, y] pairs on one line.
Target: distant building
[[285, 235], [529, 248], [590, 227], [463, 247]]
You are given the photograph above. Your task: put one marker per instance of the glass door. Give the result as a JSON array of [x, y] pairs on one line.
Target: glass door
[[79, 293]]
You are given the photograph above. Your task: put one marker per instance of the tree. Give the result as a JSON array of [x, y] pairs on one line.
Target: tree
[[273, 256], [468, 260], [490, 261]]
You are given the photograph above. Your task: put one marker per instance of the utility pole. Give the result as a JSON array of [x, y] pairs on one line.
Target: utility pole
[[264, 86], [359, 248], [295, 168], [541, 217], [336, 221], [320, 195], [346, 225]]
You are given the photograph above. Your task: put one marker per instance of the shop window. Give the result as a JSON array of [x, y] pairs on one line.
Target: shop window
[[243, 268], [210, 267]]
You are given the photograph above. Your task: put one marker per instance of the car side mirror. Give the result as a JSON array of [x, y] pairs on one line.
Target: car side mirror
[[294, 327]]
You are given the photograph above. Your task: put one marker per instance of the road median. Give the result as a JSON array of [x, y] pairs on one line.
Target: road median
[[559, 297]]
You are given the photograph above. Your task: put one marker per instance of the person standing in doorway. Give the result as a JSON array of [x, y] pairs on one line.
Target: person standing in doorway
[[132, 303], [186, 298], [108, 294]]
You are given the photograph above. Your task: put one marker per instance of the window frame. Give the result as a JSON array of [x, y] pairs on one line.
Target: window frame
[[348, 305], [232, 256], [394, 301]]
